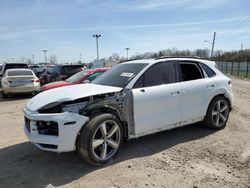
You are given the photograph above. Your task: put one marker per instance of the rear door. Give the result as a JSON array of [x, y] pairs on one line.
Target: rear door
[[195, 92], [156, 98]]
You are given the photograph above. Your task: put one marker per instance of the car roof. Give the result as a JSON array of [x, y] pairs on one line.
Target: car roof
[[156, 60]]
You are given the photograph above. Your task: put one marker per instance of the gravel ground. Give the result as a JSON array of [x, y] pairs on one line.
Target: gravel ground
[[191, 156]]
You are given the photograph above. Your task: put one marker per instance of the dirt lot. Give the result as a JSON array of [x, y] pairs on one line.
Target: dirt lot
[[192, 156]]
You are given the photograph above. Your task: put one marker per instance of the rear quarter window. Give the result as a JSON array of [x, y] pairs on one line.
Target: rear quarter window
[[210, 73]]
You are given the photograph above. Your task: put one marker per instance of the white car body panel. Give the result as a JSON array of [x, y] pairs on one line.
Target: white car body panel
[[156, 107], [68, 93], [65, 141]]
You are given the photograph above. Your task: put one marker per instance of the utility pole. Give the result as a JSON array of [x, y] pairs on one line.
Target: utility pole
[[45, 51], [97, 36], [127, 51], [241, 52], [33, 59], [213, 45]]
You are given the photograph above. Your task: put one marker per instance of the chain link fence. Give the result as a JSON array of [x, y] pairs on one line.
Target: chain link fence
[[240, 69]]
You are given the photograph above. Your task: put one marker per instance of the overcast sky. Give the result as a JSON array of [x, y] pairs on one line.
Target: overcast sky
[[65, 27]]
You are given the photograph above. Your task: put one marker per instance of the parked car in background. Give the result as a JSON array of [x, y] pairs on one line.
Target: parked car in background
[[84, 76], [131, 100], [62, 72], [6, 66], [13, 66], [44, 75], [1, 66], [33, 67], [19, 81]]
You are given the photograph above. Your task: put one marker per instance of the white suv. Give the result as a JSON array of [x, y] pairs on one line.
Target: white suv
[[130, 100]]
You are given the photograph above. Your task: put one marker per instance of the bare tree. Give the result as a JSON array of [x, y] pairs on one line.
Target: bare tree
[[22, 59], [52, 59], [29, 61]]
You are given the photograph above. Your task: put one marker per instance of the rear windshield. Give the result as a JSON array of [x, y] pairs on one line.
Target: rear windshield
[[15, 66], [120, 75], [71, 69], [77, 76], [20, 73]]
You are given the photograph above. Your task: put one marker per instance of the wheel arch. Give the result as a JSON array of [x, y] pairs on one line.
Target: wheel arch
[[106, 109]]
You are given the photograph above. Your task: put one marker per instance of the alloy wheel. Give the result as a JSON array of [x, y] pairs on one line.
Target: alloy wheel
[[106, 140], [220, 113]]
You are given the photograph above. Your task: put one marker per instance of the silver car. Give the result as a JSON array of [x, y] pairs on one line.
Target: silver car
[[19, 81]]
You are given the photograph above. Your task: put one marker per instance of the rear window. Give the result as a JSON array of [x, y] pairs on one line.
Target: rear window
[[190, 71], [15, 66], [210, 73], [20, 73], [71, 69]]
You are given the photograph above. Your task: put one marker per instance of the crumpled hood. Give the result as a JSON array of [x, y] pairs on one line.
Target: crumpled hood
[[68, 93]]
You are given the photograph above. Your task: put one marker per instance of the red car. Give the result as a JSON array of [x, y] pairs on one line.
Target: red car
[[84, 76]]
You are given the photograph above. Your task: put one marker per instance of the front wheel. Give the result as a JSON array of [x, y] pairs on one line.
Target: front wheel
[[217, 114], [100, 139]]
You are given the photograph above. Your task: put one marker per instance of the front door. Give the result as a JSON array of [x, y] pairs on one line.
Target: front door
[[156, 99]]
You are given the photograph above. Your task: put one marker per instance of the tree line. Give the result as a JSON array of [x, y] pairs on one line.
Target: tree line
[[218, 55]]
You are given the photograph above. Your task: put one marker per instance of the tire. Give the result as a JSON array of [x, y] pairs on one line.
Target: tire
[[217, 113], [106, 130], [4, 96]]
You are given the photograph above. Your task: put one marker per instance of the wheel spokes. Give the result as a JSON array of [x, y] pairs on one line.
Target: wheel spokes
[[113, 144], [217, 120], [97, 142], [223, 118], [104, 151], [113, 131], [223, 108], [103, 129]]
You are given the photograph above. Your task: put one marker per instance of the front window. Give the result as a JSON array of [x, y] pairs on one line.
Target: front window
[[76, 77], [120, 75]]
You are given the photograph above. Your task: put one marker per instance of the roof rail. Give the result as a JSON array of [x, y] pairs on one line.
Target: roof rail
[[192, 57]]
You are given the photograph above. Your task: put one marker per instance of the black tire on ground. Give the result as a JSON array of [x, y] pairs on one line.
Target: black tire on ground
[[217, 113], [93, 130], [4, 96]]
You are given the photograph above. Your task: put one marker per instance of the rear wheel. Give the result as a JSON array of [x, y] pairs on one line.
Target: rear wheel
[[100, 139], [217, 114]]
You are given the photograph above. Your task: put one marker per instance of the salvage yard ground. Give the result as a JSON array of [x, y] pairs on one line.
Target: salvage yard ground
[[192, 156]]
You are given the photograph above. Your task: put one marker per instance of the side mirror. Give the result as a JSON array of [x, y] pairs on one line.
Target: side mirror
[[85, 81]]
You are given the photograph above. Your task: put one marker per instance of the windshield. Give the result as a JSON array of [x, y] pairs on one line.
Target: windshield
[[77, 76], [120, 75]]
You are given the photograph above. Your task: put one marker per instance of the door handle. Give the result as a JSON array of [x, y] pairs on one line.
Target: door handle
[[142, 90]]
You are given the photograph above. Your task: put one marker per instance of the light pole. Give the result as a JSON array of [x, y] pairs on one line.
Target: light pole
[[97, 36], [80, 58], [212, 43], [127, 51], [45, 51], [33, 59]]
